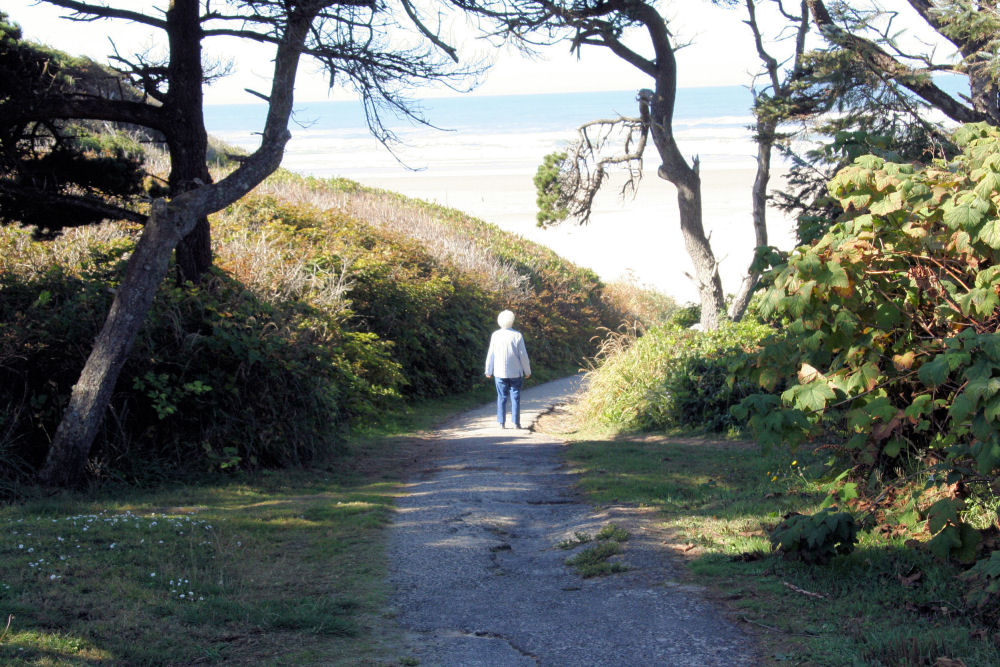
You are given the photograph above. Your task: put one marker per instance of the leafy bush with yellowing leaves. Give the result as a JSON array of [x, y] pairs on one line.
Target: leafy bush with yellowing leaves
[[891, 327]]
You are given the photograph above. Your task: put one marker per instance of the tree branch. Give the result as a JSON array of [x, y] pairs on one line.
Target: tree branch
[[880, 61], [100, 11]]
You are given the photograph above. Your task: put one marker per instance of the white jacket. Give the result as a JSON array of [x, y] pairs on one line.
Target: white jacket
[[507, 357]]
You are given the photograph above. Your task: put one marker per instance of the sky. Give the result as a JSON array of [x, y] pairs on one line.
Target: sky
[[702, 63]]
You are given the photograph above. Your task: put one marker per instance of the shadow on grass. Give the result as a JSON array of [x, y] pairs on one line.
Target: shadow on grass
[[884, 604], [287, 564]]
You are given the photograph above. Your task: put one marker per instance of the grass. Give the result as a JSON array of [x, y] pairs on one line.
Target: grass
[[278, 568], [594, 561], [885, 604]]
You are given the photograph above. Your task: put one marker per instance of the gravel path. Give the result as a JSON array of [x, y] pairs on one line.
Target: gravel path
[[478, 579]]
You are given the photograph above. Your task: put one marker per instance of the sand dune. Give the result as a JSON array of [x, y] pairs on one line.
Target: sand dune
[[638, 234]]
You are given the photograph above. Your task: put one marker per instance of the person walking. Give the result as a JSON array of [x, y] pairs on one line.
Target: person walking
[[507, 363]]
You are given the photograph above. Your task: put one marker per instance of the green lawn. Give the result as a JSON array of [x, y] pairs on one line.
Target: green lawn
[[275, 568]]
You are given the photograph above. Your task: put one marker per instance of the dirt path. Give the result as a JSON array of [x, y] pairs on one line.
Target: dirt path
[[478, 578]]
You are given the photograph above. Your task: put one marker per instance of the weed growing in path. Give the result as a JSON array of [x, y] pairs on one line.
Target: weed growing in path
[[593, 562]]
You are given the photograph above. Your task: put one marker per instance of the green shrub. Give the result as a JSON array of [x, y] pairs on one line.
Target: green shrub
[[891, 343], [983, 580], [218, 377], [815, 538], [313, 321], [671, 377]]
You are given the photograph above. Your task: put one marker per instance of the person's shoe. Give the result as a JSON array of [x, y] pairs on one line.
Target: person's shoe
[[518, 427]]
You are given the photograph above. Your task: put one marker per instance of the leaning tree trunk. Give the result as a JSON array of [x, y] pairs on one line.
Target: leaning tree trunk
[[167, 225], [765, 143], [674, 168], [67, 457]]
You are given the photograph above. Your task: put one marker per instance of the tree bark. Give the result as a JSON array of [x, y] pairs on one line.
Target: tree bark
[[187, 138], [90, 397], [765, 144], [675, 169]]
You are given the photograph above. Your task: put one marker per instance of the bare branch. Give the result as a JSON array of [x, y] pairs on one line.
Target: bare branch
[[434, 39], [86, 11], [587, 162]]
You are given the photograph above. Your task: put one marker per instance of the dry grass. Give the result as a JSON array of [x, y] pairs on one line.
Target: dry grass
[[273, 268], [400, 215], [29, 259]]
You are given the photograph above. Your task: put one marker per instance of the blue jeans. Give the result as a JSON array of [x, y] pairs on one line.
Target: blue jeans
[[511, 386]]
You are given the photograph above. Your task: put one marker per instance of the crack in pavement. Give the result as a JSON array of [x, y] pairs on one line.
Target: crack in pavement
[[473, 556]]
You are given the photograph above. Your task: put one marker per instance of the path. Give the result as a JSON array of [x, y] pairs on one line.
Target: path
[[478, 579]]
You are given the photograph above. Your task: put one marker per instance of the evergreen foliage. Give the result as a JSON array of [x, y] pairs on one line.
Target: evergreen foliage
[[77, 160]]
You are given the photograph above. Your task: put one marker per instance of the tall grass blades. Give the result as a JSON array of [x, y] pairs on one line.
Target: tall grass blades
[[669, 377]]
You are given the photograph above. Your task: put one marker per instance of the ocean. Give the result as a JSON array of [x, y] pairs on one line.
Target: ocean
[[494, 134], [482, 152]]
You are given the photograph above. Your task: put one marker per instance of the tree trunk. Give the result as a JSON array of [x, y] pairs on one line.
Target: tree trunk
[[765, 142], [706, 269], [187, 138], [67, 457], [674, 168]]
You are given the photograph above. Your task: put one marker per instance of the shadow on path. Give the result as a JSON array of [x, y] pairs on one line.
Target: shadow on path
[[478, 579]]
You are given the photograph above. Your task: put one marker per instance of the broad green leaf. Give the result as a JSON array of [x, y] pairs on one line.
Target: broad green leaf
[[887, 316], [941, 544], [941, 513], [963, 407], [920, 405], [970, 540], [865, 378], [880, 407], [989, 182], [888, 204], [962, 216], [989, 233], [987, 454], [811, 397], [870, 162], [992, 409], [984, 300], [934, 372], [987, 277], [893, 447]]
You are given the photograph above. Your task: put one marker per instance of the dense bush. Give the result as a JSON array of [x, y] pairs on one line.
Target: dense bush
[[892, 338], [218, 377], [815, 538], [671, 377], [314, 320]]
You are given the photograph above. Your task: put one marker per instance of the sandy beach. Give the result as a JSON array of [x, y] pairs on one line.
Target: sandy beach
[[640, 235]]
